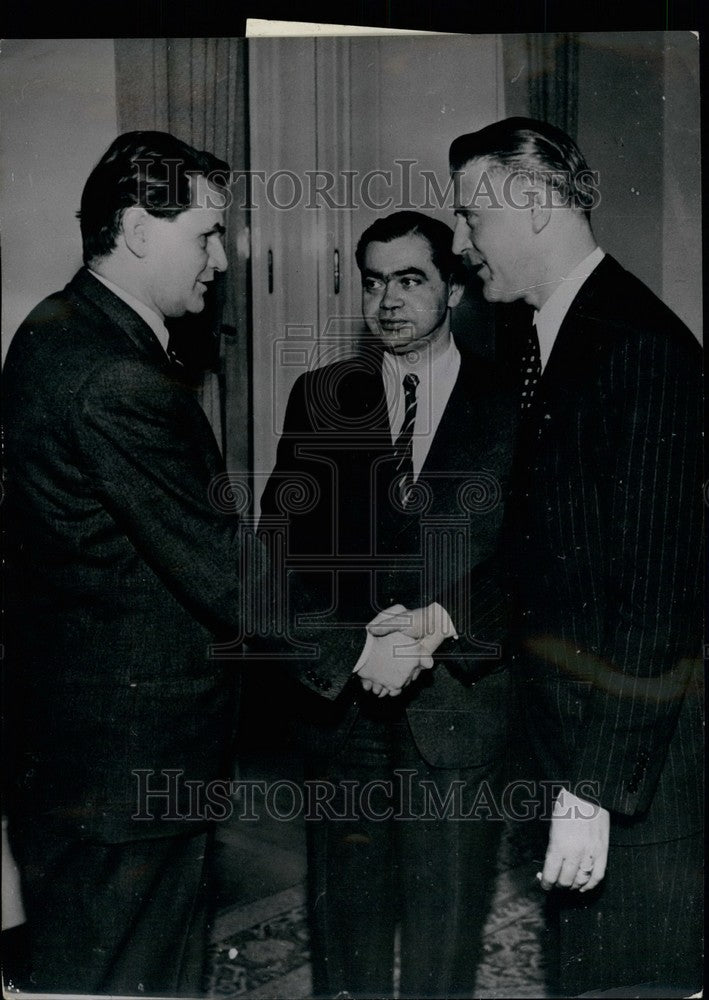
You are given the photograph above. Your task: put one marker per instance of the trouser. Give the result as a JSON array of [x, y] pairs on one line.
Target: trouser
[[432, 875], [125, 918], [640, 932]]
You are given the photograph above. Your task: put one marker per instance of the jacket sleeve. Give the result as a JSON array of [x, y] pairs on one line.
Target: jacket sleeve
[[320, 654], [653, 514]]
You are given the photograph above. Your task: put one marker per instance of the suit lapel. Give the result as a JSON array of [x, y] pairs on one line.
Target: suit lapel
[[578, 351], [120, 315], [456, 448], [450, 448], [463, 434]]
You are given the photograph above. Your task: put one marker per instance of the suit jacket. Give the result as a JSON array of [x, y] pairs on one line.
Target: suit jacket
[[348, 551], [122, 572], [606, 546]]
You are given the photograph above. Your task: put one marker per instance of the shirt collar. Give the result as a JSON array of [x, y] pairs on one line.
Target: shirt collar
[[421, 363], [147, 314], [549, 318]]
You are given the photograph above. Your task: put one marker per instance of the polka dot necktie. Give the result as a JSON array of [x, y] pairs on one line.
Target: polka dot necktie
[[172, 356], [403, 446], [531, 369]]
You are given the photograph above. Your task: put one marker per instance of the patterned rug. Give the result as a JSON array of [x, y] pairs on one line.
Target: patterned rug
[[262, 950]]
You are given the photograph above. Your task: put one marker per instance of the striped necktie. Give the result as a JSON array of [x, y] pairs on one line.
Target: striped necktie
[[403, 447], [530, 369]]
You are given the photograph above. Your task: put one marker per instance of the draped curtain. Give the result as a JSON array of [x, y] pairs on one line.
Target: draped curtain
[[195, 88], [553, 79]]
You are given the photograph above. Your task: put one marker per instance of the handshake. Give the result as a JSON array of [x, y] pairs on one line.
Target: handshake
[[400, 644]]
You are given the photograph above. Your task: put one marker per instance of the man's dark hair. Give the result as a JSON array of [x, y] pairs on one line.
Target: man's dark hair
[[437, 234], [531, 147], [149, 169]]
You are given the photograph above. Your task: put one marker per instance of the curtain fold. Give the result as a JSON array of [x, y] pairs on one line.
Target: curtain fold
[[553, 79], [195, 88]]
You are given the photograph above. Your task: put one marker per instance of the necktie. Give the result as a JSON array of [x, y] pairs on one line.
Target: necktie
[[531, 368], [173, 355], [403, 447]]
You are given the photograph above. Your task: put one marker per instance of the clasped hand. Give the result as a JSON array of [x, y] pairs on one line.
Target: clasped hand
[[401, 645], [394, 661]]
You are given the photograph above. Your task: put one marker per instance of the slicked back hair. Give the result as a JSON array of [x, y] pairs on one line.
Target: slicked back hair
[[531, 147]]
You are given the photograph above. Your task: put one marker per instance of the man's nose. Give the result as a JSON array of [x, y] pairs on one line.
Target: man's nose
[[461, 236], [391, 297], [217, 256]]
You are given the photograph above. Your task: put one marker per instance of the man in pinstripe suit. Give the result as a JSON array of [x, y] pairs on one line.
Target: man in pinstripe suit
[[605, 541], [607, 537]]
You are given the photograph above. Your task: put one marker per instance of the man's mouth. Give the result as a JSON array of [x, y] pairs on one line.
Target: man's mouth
[[392, 325], [473, 261]]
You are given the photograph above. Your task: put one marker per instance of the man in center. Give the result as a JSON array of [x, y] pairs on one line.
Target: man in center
[[405, 451]]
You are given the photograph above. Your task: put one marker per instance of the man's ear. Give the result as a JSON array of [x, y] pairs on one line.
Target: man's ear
[[455, 292], [541, 208], [134, 228]]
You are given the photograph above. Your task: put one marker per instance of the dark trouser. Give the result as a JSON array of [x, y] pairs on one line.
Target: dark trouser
[[640, 933], [127, 918], [433, 876]]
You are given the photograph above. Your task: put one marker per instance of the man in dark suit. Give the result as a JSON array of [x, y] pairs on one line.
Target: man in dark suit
[[122, 574], [605, 528], [400, 457]]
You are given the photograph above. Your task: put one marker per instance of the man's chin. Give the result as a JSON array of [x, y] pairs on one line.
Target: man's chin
[[406, 348], [394, 345], [492, 294]]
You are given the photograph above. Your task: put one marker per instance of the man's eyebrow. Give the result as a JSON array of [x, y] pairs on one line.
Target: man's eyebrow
[[370, 273]]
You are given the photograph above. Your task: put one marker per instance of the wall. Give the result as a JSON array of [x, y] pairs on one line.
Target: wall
[[381, 112], [58, 112], [638, 125], [422, 93], [682, 228], [620, 130]]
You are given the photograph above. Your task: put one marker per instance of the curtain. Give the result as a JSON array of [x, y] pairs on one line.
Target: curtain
[[553, 79], [195, 88]]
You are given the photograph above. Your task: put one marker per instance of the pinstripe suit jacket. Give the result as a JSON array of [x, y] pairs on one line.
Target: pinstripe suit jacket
[[356, 552], [606, 529]]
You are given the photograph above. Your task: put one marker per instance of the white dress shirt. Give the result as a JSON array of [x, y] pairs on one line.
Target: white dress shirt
[[437, 374], [549, 318], [154, 321]]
